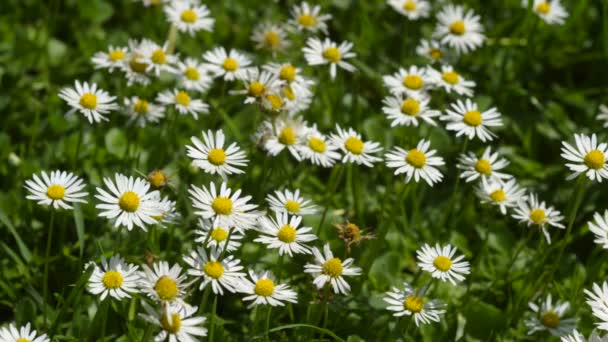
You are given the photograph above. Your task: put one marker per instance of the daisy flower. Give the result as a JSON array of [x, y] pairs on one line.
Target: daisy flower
[[328, 269], [291, 203], [158, 178], [355, 149], [270, 36], [536, 213], [309, 18], [284, 234], [274, 102], [214, 236], [550, 11], [549, 316], [451, 81], [128, 203], [220, 273], [458, 29], [407, 110], [183, 102], [413, 303], [412, 9], [156, 57], [297, 97], [257, 84], [412, 80], [599, 227], [142, 112], [587, 157], [504, 194], [575, 336], [417, 163], [431, 50], [58, 190], [135, 67], [163, 283], [485, 167], [319, 52], [113, 58], [318, 149], [289, 74], [168, 215], [226, 208], [597, 299], [263, 289], [90, 101], [231, 65], [603, 115], [115, 278], [284, 134], [189, 16], [178, 322], [466, 119], [22, 334], [193, 75], [441, 263], [211, 156]]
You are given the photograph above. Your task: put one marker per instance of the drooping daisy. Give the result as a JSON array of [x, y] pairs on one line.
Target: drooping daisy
[[412, 80], [319, 52], [257, 85], [550, 11], [211, 156], [355, 149], [441, 263], [285, 234], [58, 190], [22, 334], [189, 16], [128, 203], [225, 208], [603, 114], [270, 36], [417, 163], [486, 167], [231, 65], [458, 29], [290, 202], [431, 50], [275, 102], [328, 269], [284, 134], [262, 289], [587, 157], [413, 303], [599, 227], [549, 316], [214, 236], [156, 57], [142, 112], [115, 278], [178, 322], [222, 274], [407, 110], [412, 9], [536, 213], [113, 58], [452, 81], [465, 119], [193, 75], [318, 149], [90, 101], [183, 102], [169, 214], [134, 67], [163, 283], [597, 299], [504, 194], [309, 18]]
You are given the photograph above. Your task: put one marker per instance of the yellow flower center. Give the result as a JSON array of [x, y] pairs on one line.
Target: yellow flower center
[[316, 145], [550, 319], [289, 93], [410, 107], [435, 53], [538, 216], [472, 118], [217, 156], [256, 89], [116, 55], [275, 101], [159, 57], [442, 263], [182, 98], [129, 201], [457, 28], [264, 287], [413, 304], [166, 288], [484, 167], [409, 6], [230, 64], [333, 267], [188, 16], [413, 82], [136, 65], [55, 192], [288, 73], [292, 206], [498, 195], [332, 54], [219, 234], [23, 339], [214, 269], [88, 101], [595, 159], [141, 106], [287, 234], [192, 74], [354, 145], [272, 39], [157, 178], [307, 20], [112, 280], [416, 158], [352, 232], [450, 77], [287, 136], [174, 326], [222, 205], [543, 8]]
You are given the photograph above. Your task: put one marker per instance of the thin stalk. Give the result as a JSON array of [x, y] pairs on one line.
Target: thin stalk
[[266, 338], [212, 319], [45, 283]]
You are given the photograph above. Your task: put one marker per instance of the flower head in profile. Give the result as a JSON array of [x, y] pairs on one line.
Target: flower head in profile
[[443, 263], [504, 194], [141, 112], [431, 50], [89, 100], [459, 29], [465, 118], [599, 228], [305, 17], [537, 213], [597, 299], [211, 235], [113, 58], [13, 333], [317, 148], [269, 36], [58, 189], [189, 16], [408, 109], [332, 270], [588, 157], [321, 52], [178, 322], [290, 202], [451, 81], [231, 65], [211, 156], [183, 102], [603, 114], [263, 289], [487, 166], [412, 302], [412, 9], [222, 273], [355, 149], [549, 316], [193, 75], [285, 234], [115, 278], [417, 163]]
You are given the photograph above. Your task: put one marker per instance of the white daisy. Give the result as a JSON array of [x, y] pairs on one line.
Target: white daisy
[[536, 213], [599, 227], [548, 316], [412, 302], [193, 75], [441, 263], [412, 80], [575, 336], [270, 36], [231, 65], [22, 334], [431, 50], [597, 299], [328, 269], [290, 202], [285, 234], [211, 156], [183, 102], [289, 74], [318, 149], [458, 29], [550, 11], [156, 57], [257, 85], [355, 149], [189, 16], [220, 273], [319, 52], [587, 157], [466, 119], [115, 278], [504, 194], [285, 133], [417, 163], [485, 167], [163, 283], [297, 97], [603, 114], [451, 81], [142, 112], [58, 190], [275, 102], [262, 289], [169, 215], [412, 9], [134, 67], [214, 236], [113, 58], [406, 110], [309, 18], [90, 101], [129, 203], [178, 322]]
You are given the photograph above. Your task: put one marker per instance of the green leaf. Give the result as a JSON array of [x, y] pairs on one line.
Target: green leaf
[[483, 319], [384, 269], [79, 221], [25, 252], [56, 50], [116, 142]]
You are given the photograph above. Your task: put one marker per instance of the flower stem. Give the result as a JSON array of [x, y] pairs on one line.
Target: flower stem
[[212, 319], [45, 283], [266, 337]]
